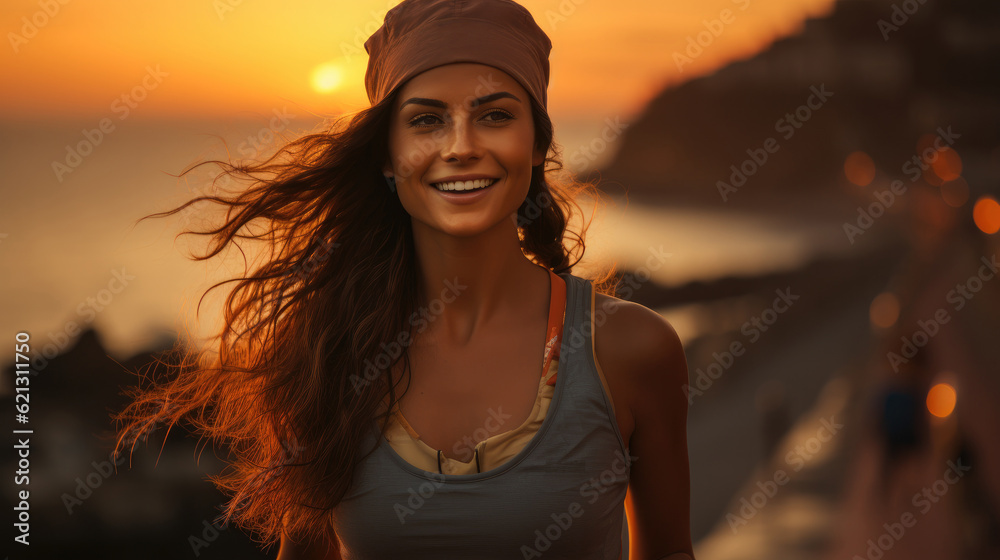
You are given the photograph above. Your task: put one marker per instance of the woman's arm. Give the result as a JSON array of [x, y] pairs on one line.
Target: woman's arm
[[649, 355]]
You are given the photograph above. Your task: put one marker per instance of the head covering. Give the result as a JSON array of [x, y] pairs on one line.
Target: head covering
[[418, 35]]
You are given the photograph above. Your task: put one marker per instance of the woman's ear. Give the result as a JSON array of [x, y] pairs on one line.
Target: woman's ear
[[537, 157]]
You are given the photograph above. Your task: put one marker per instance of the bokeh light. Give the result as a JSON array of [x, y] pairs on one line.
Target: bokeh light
[[955, 193], [859, 168], [930, 176], [947, 165], [986, 214], [941, 400], [927, 152], [932, 217], [884, 310]]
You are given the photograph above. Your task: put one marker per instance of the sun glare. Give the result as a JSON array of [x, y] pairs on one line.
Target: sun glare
[[327, 77]]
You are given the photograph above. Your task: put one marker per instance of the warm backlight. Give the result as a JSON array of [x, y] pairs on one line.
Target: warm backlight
[[941, 400], [986, 213], [859, 169], [327, 78], [947, 165], [955, 193], [884, 310]]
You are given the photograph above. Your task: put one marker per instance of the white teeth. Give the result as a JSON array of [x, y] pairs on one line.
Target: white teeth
[[464, 185]]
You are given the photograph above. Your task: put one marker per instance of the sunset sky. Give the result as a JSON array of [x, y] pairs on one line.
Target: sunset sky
[[215, 57]]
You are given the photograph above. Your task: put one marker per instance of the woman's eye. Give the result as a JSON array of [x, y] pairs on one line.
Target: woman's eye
[[417, 120], [501, 113], [496, 116]]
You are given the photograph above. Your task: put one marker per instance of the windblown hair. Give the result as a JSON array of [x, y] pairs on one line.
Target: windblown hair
[[288, 385]]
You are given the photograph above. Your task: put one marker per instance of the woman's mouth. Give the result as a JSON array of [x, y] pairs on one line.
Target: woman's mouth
[[459, 187]]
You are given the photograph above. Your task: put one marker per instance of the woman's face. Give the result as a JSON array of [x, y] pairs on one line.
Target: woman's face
[[455, 120]]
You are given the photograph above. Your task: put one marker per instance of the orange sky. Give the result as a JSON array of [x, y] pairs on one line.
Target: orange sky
[[230, 56]]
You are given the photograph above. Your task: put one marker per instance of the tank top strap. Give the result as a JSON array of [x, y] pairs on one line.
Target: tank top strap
[[557, 317]]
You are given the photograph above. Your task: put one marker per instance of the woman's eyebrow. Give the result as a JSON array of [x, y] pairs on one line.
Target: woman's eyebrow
[[443, 105]]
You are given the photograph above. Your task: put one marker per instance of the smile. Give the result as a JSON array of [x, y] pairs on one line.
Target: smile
[[465, 186]]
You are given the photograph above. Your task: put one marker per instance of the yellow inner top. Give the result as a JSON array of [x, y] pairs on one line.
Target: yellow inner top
[[494, 450]]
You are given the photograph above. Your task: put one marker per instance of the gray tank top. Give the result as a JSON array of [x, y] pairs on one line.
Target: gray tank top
[[562, 496]]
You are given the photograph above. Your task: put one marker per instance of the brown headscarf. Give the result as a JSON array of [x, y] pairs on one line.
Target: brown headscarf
[[418, 35]]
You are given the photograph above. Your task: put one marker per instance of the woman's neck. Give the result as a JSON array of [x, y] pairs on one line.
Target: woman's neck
[[469, 283]]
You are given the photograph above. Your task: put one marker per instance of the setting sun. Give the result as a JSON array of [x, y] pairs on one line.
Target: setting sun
[[327, 77]]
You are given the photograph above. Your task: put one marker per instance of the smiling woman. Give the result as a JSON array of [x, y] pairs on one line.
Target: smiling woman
[[423, 245], [489, 140]]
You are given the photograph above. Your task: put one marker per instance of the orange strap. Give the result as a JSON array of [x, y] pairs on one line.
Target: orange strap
[[557, 311]]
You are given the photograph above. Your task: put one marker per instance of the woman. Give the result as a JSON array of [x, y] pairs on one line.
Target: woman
[[446, 276]]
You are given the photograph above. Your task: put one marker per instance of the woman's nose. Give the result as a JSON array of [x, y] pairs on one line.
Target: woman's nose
[[460, 141]]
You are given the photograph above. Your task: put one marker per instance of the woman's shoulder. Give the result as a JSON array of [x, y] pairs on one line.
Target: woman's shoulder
[[637, 347]]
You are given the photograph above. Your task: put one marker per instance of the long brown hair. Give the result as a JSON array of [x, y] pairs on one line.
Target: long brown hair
[[288, 384]]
